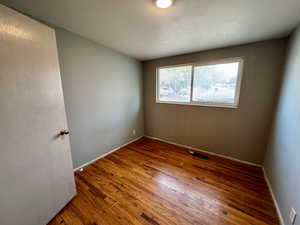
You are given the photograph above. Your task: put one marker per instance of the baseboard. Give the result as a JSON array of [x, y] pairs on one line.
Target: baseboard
[[210, 153], [273, 197], [102, 156]]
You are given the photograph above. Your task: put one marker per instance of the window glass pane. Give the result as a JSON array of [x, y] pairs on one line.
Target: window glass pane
[[175, 84], [215, 83]]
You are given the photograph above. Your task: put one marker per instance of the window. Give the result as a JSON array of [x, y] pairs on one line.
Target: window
[[211, 84], [175, 84]]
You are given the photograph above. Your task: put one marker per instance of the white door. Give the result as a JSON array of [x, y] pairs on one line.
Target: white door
[[36, 175]]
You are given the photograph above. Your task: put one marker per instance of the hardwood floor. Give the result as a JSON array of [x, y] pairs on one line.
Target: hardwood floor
[[154, 183]]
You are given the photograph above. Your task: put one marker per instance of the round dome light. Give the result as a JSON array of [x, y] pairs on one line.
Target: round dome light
[[163, 4]]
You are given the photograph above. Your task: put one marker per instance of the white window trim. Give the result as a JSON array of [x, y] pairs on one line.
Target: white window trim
[[208, 104]]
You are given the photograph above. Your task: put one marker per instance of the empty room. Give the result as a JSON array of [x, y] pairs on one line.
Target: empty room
[[149, 112]]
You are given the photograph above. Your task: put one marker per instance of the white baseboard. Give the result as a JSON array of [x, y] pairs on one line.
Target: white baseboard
[[210, 153], [102, 156], [274, 198]]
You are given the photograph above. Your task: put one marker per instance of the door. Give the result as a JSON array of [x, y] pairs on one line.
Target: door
[[36, 175]]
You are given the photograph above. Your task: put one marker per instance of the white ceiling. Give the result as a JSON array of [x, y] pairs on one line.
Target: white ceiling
[[139, 29]]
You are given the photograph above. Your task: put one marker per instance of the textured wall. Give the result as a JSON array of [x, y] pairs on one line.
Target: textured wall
[[103, 96], [241, 133], [283, 157]]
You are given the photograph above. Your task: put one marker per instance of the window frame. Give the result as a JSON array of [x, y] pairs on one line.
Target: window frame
[[240, 60]]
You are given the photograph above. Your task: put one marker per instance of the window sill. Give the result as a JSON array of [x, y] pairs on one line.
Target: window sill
[[202, 104]]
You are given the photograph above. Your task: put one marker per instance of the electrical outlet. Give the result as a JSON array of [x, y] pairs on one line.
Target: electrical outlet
[[293, 216], [133, 132]]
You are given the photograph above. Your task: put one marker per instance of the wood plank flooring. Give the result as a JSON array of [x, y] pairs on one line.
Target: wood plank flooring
[[154, 183]]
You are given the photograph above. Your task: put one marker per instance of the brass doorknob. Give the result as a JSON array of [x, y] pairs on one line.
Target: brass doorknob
[[64, 132]]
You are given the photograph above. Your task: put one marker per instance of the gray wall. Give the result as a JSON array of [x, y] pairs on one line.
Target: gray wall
[[241, 133], [103, 96], [283, 157]]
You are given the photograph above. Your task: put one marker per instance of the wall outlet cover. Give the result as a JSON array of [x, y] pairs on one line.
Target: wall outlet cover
[[133, 132]]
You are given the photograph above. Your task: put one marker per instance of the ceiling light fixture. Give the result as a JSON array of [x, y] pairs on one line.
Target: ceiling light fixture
[[163, 4]]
